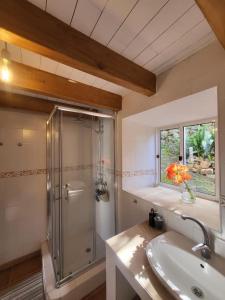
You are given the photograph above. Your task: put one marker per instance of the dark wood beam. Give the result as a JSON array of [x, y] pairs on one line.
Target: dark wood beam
[[34, 80], [214, 11], [27, 26], [18, 101]]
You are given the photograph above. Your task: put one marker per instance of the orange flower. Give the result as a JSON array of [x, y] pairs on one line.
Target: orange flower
[[177, 173], [171, 171], [186, 176]]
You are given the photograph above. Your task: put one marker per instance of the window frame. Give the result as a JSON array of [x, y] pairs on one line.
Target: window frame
[[181, 126]]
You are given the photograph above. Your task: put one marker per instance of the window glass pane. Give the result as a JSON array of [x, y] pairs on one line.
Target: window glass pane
[[169, 150], [199, 149]]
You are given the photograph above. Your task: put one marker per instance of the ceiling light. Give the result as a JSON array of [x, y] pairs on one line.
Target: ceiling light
[[4, 71]]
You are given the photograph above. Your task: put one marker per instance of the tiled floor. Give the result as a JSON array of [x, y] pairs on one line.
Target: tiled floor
[[19, 272]]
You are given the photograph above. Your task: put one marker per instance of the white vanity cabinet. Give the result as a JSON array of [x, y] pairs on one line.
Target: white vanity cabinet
[[133, 211], [128, 272]]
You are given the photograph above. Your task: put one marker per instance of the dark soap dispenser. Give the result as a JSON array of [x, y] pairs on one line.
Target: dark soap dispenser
[[151, 219]]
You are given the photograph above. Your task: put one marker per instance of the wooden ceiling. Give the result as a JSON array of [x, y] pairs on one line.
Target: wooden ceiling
[[43, 63], [38, 31], [153, 34], [44, 83]]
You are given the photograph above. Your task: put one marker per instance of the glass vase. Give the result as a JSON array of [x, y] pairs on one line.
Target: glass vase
[[187, 194]]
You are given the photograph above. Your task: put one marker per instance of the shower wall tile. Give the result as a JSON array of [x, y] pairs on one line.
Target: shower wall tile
[[22, 183], [74, 153], [20, 152], [14, 119]]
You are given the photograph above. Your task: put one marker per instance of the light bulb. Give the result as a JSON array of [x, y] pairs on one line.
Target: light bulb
[[5, 73]]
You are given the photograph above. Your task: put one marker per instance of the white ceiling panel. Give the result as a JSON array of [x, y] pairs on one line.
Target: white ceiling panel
[[15, 53], [61, 9], [31, 59], [48, 65], [201, 43], [87, 14], [64, 71], [99, 83], [139, 17], [77, 75], [190, 19], [187, 40], [168, 15], [89, 79], [111, 87], [155, 34], [114, 88], [145, 56], [111, 19]]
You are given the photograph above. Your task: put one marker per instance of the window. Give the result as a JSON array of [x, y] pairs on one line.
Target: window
[[169, 150], [195, 146]]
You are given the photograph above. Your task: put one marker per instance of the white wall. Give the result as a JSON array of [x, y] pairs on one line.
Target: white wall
[[22, 183], [139, 134], [198, 106], [201, 71], [138, 152]]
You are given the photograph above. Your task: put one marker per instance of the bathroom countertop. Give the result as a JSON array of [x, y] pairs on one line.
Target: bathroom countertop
[[127, 252], [205, 210]]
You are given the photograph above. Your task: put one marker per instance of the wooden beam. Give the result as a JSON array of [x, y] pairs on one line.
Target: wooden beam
[[214, 11], [34, 80], [18, 101], [27, 26]]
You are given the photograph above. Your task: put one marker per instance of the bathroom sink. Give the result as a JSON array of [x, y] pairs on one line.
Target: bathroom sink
[[185, 273]]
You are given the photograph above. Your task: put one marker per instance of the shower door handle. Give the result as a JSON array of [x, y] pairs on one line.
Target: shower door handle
[[71, 193]]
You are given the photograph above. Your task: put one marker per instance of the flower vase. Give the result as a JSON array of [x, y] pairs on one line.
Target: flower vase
[[187, 194]]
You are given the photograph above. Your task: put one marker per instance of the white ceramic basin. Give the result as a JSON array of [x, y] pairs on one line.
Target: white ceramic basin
[[184, 272]]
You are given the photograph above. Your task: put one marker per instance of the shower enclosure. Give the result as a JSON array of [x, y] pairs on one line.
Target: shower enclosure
[[80, 188]]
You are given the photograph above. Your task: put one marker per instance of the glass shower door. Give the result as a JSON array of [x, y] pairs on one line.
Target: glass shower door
[[54, 189], [81, 188], [78, 200]]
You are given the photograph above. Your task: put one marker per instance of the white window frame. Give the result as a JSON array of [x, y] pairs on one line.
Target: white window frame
[[182, 147]]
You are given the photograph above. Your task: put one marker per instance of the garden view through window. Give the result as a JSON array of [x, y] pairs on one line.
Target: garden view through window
[[196, 146]]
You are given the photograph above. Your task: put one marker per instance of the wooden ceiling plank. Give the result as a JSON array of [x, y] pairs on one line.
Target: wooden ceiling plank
[[27, 26], [214, 11], [34, 80]]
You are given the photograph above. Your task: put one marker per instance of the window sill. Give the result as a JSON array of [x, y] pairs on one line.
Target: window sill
[[204, 210]]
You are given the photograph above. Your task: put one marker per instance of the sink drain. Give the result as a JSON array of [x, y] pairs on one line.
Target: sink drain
[[197, 292]]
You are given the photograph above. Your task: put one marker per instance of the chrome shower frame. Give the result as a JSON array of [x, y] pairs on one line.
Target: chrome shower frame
[[58, 261]]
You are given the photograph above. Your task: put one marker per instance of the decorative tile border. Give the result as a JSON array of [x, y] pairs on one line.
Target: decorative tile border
[[11, 174], [119, 173], [136, 173], [78, 167]]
